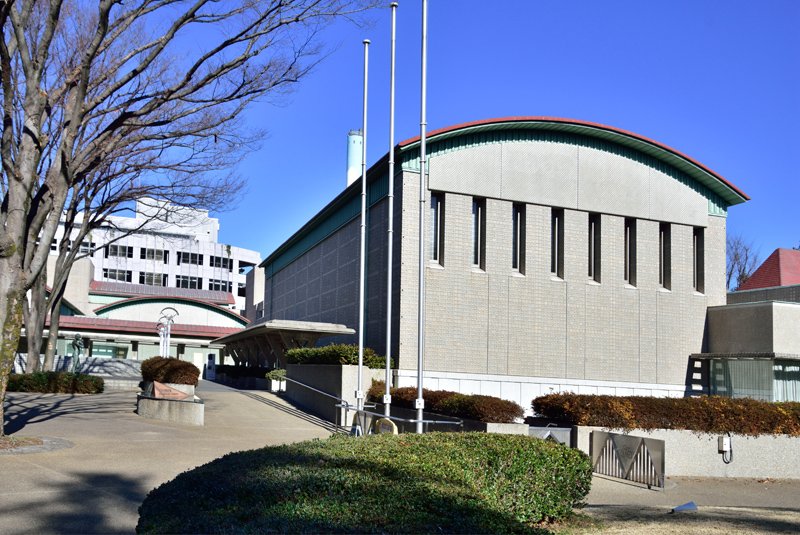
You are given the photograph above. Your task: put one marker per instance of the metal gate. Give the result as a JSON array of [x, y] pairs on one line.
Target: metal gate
[[628, 457]]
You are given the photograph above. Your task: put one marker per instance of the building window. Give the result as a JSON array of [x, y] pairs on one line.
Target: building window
[[518, 238], [437, 227], [557, 242], [190, 258], [192, 283], [242, 291], [152, 279], [120, 275], [121, 251], [221, 262], [698, 254], [479, 233], [219, 285], [54, 245], [154, 254], [86, 247], [630, 251], [665, 255], [594, 247]]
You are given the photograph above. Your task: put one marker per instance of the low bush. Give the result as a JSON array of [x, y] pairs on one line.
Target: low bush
[[278, 374], [431, 483], [472, 407], [707, 414], [170, 370], [335, 354], [55, 383]]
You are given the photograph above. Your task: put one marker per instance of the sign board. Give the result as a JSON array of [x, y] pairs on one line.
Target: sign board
[[384, 425], [162, 391]]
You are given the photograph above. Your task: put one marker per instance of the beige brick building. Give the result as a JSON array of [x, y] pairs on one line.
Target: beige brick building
[[561, 256]]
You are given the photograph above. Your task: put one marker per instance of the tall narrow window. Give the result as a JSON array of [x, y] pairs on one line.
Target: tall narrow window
[[557, 242], [518, 238], [437, 227], [630, 251], [665, 255], [698, 254], [479, 233], [594, 247]]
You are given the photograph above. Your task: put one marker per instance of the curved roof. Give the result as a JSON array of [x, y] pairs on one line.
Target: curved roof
[[691, 167], [185, 300]]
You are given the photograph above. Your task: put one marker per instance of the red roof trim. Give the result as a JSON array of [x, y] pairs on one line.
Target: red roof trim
[[141, 327], [560, 120]]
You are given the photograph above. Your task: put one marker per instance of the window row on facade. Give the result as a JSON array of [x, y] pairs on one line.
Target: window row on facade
[[162, 255], [595, 254], [161, 279]]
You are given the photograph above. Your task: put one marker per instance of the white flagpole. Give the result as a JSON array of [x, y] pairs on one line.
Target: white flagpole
[[362, 276], [387, 397], [420, 401]]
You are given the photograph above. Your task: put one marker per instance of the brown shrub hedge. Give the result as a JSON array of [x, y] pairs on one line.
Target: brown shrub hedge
[[55, 383], [473, 407], [170, 370], [708, 414]]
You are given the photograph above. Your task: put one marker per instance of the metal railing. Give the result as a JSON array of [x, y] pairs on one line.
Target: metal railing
[[361, 414], [632, 458]]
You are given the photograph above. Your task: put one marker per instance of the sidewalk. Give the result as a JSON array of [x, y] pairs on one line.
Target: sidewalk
[[723, 506], [117, 457]]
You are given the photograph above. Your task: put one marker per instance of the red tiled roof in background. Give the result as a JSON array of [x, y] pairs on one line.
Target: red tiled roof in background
[[781, 268], [128, 289], [87, 323]]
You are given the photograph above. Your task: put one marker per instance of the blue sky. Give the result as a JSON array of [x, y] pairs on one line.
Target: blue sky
[[717, 80]]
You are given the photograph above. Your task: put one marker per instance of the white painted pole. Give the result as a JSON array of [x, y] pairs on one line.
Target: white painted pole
[[420, 401], [387, 397], [362, 275]]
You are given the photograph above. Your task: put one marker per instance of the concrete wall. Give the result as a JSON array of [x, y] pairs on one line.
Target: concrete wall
[[573, 172], [338, 381], [778, 293], [760, 327], [692, 454], [499, 322], [323, 284]]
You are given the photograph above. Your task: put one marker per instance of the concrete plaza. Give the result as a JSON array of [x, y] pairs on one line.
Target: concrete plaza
[[113, 458]]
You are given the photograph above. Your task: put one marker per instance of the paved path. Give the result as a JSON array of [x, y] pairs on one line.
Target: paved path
[[117, 457], [723, 506]]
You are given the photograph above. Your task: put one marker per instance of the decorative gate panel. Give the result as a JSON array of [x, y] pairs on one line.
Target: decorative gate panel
[[628, 457]]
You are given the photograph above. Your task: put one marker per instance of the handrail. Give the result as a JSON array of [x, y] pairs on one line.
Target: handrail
[[457, 421], [344, 404]]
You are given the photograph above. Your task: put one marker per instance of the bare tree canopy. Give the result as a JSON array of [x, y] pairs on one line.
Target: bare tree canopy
[[742, 261], [108, 101]]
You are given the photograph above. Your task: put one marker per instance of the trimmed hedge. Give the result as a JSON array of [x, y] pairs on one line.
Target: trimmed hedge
[[707, 414], [55, 383], [472, 407], [431, 483], [170, 370], [335, 354]]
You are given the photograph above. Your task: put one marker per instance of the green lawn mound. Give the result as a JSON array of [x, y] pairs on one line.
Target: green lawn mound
[[431, 483]]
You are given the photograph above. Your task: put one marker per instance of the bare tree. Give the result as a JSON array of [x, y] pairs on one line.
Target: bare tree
[[131, 96], [742, 261]]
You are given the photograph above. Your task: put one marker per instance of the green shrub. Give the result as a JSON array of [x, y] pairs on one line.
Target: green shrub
[[472, 407], [170, 370], [278, 374], [708, 414], [55, 383], [335, 354], [431, 483]]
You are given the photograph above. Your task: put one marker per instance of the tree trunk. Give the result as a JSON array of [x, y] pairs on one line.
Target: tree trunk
[[52, 336], [35, 312], [12, 295]]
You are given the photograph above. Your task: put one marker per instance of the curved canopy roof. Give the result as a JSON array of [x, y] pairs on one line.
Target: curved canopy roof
[[691, 167], [134, 301]]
